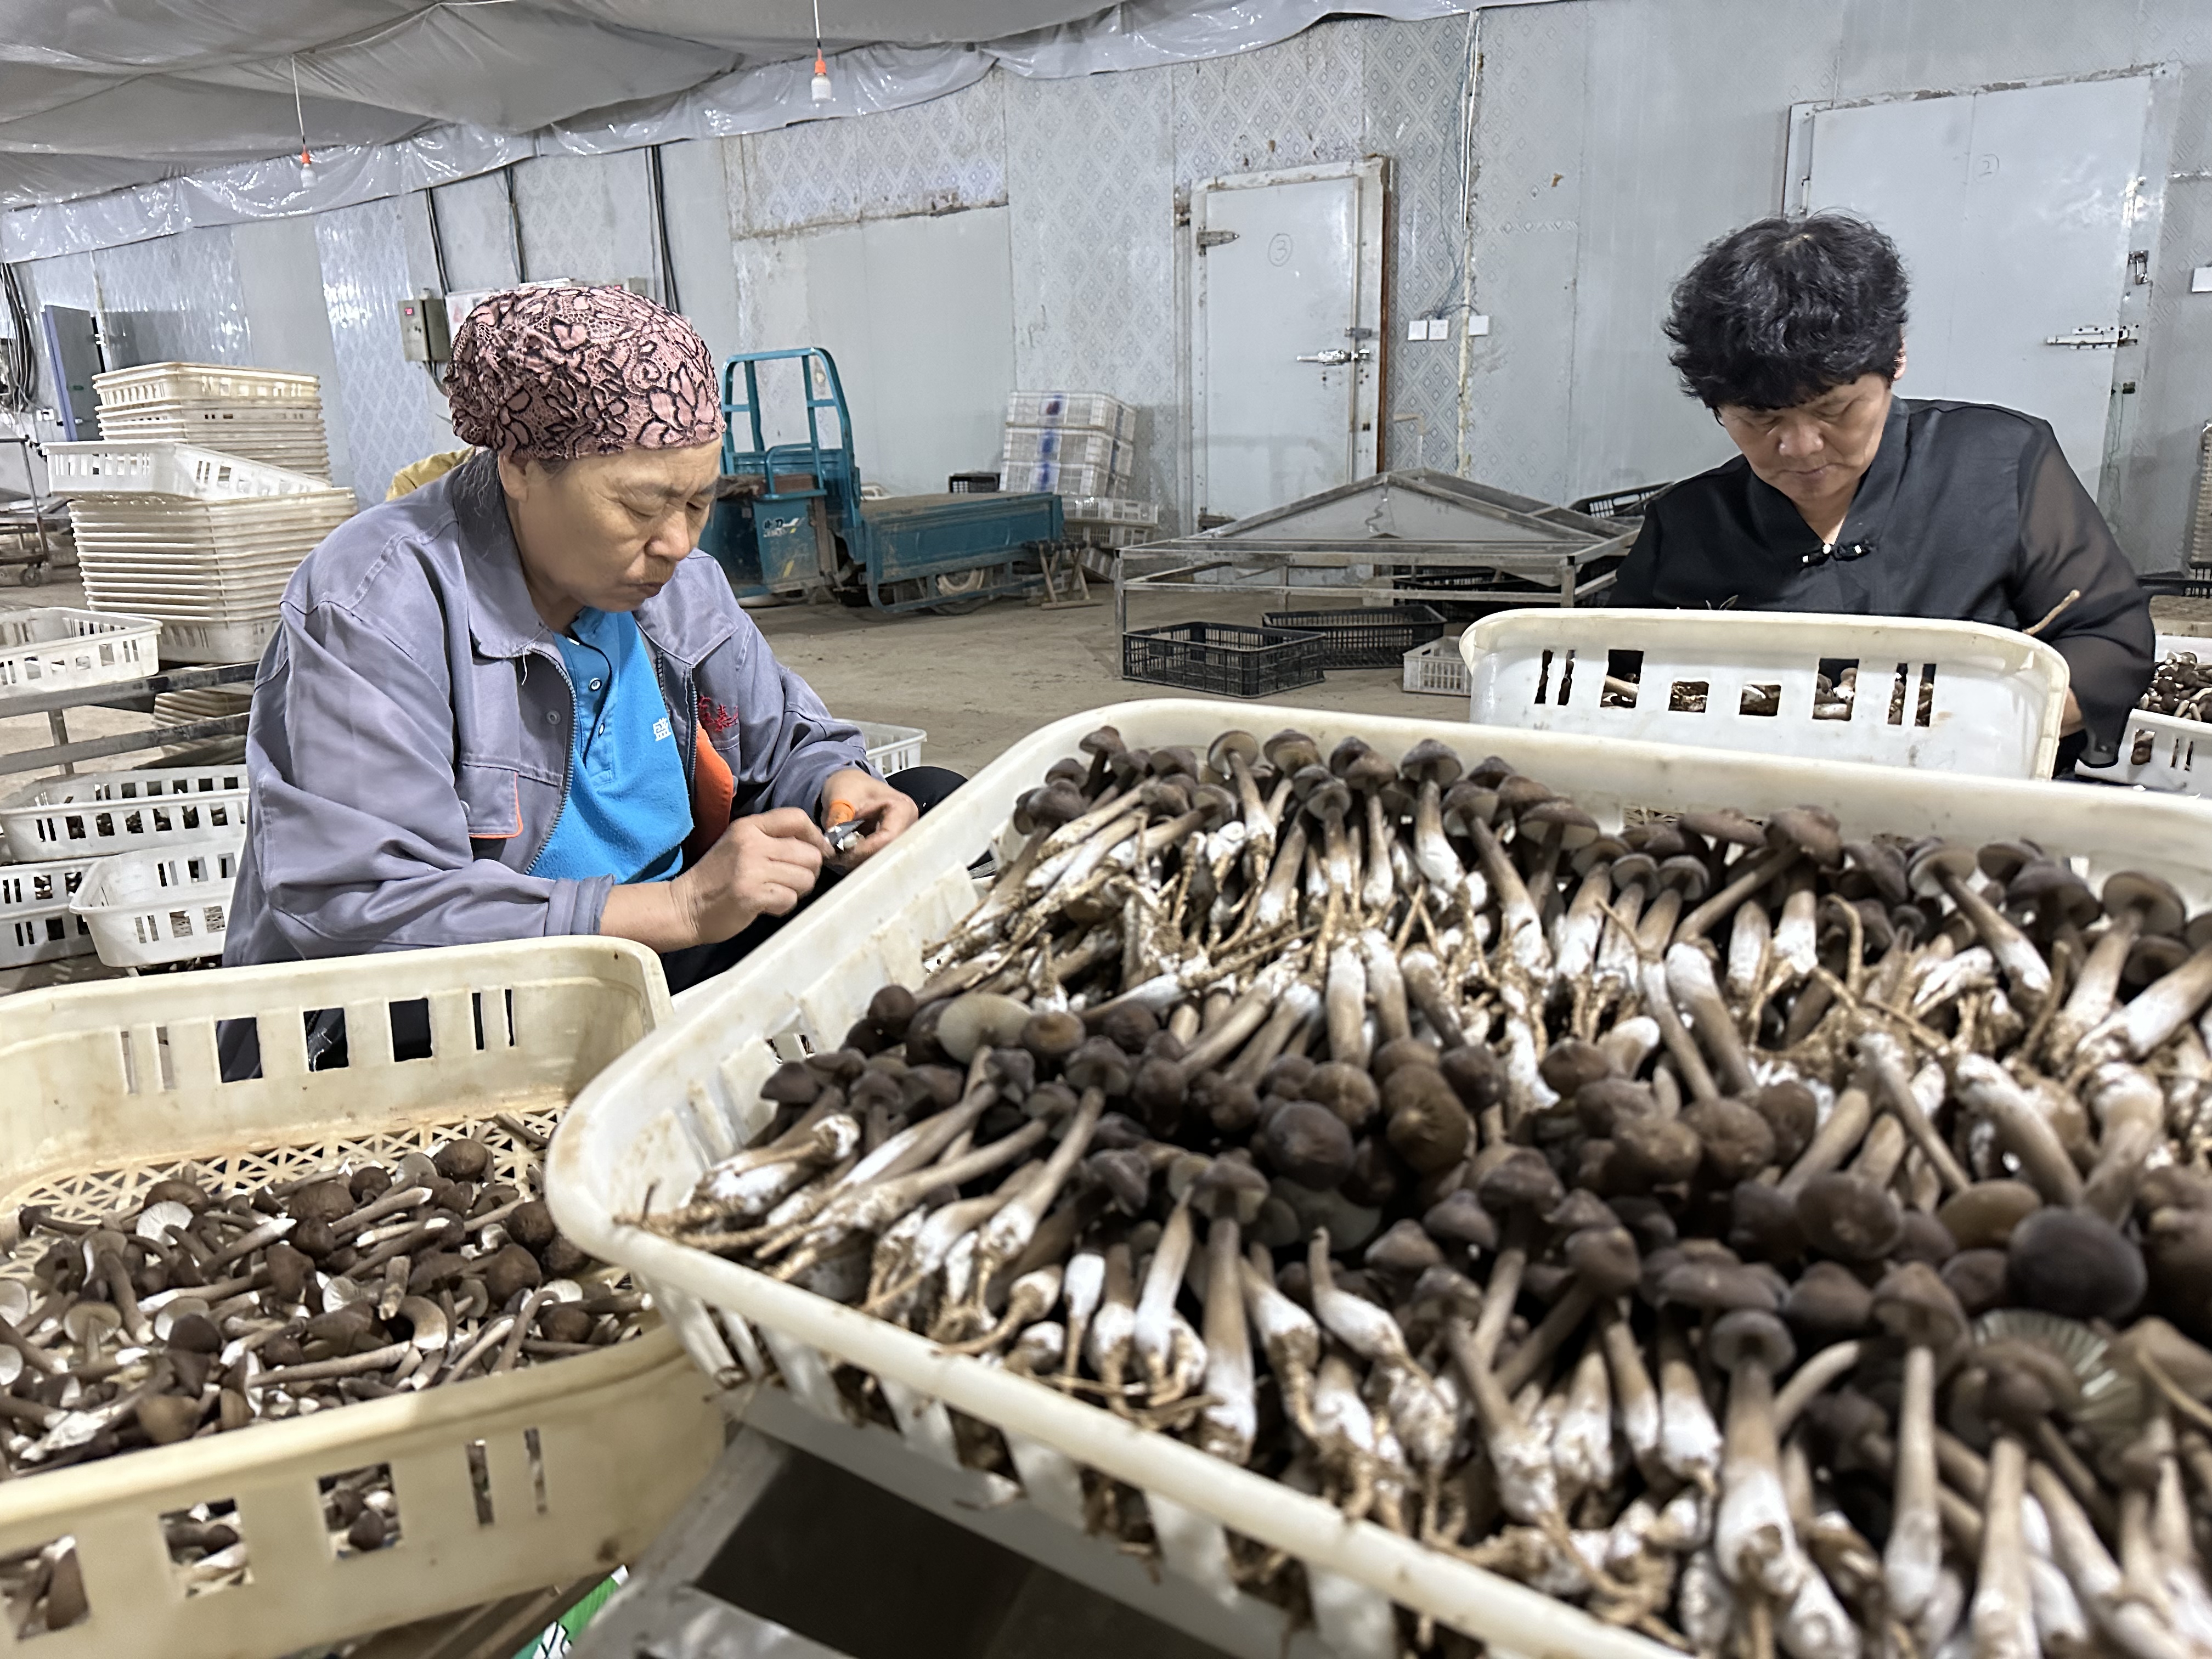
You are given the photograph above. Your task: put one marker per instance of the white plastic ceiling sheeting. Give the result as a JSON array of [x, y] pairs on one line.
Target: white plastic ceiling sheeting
[[96, 95]]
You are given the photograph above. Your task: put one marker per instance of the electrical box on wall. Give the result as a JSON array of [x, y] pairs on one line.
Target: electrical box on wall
[[423, 337]]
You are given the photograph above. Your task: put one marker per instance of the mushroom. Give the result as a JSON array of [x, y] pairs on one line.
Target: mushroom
[[1915, 1306]]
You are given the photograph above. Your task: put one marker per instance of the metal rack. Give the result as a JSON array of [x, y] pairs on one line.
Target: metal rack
[[136, 696], [1415, 535]]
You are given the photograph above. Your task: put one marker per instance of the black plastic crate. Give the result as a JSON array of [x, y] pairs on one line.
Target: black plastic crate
[[972, 483], [1227, 658], [1621, 503], [1374, 636]]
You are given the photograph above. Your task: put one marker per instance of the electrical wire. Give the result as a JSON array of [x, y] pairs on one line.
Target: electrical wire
[[18, 356]]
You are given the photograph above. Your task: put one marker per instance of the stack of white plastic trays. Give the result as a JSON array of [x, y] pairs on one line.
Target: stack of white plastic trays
[[201, 540], [261, 414], [1068, 443]]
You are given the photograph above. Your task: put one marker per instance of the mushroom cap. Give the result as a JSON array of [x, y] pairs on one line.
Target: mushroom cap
[[1348, 751], [1124, 1174], [892, 1009], [2152, 957], [1808, 830], [1308, 1144], [2157, 907], [1346, 1090], [1634, 869], [1913, 1304], [1491, 771], [1663, 841], [1476, 1075], [1291, 749], [1660, 1150], [1466, 803], [1828, 1302], [2054, 892], [1750, 1337], [1461, 1219], [2198, 934], [1429, 761], [1572, 1062], [1427, 1126], [1724, 824], [2074, 1264], [1053, 1034], [320, 1200], [1520, 1180], [1977, 1277], [1875, 924], [1404, 1248], [1604, 1259], [1924, 1239], [1102, 1064], [1601, 1105], [1129, 1027], [1715, 1286], [1570, 826], [1737, 1142], [1106, 740], [1174, 760], [2001, 860], [1930, 863], [979, 1019], [1687, 875], [1370, 773], [1603, 850], [1401, 1052], [1286, 1075], [1068, 770], [1645, 1217], [1520, 793], [1792, 1114], [1235, 742], [1985, 1213], [1577, 1210], [1847, 1216], [1328, 799], [1377, 1175], [1763, 1221]]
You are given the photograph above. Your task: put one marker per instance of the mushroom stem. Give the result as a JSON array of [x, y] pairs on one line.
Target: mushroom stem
[[1386, 985], [1690, 979], [2160, 1009], [2130, 1110], [1810, 1380], [2027, 972], [1760, 869], [2003, 1615], [1659, 1003], [2131, 1626], [1230, 1421], [1986, 1088], [1882, 1054], [1914, 1554]]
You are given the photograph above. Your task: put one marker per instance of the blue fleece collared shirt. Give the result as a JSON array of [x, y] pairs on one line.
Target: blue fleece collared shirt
[[628, 810]]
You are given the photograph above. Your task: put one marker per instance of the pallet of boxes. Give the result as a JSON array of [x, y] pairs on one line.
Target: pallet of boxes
[[209, 485], [1081, 447]]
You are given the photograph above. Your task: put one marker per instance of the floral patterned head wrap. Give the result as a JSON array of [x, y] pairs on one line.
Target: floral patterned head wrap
[[550, 373]]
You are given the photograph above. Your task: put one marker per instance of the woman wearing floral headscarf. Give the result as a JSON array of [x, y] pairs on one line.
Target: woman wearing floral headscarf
[[518, 701]]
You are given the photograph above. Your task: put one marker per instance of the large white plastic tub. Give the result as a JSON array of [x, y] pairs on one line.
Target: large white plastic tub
[[656, 1117], [110, 1087], [1943, 696], [2161, 752]]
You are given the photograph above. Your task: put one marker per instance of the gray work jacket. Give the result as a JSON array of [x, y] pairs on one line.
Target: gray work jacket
[[410, 738]]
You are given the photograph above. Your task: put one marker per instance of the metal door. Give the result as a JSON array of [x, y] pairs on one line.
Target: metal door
[[72, 359], [1286, 361], [2014, 211]]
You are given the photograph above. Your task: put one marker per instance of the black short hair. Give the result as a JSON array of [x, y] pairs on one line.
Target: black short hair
[[1783, 310]]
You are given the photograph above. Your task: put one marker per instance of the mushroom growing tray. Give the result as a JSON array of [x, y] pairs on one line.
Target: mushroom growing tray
[[503, 1484], [662, 1113]]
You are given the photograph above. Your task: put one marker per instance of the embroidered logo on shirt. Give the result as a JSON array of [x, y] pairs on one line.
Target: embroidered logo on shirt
[[716, 718], [660, 730]]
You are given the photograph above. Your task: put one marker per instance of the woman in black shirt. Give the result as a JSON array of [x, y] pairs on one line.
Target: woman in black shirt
[[1849, 499]]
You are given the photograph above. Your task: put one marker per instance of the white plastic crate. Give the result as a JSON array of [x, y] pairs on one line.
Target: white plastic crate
[[893, 748], [655, 1118], [1094, 410], [155, 383], [170, 903], [97, 813], [2161, 752], [1051, 478], [1946, 696], [217, 641], [1067, 446], [214, 520], [1109, 509], [110, 1087], [35, 923], [1435, 668], [1091, 533], [55, 649], [275, 418], [167, 469]]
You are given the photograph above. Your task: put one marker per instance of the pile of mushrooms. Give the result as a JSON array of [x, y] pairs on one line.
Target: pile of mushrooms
[[191, 1311], [1762, 1238], [2180, 686]]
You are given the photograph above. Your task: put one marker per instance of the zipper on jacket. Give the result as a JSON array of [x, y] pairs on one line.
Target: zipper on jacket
[[567, 756]]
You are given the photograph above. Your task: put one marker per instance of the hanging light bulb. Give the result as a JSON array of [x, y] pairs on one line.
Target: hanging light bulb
[[299, 111], [822, 92]]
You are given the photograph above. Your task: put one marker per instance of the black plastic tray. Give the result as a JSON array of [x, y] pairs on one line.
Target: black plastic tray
[[1225, 658], [1373, 636]]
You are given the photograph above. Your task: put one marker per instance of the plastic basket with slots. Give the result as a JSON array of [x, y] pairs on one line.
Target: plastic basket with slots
[[1109, 509], [1369, 636], [1435, 668], [1070, 447], [169, 904], [55, 649], [504, 1483], [2161, 751], [893, 748], [159, 383], [1946, 696], [1225, 658], [217, 641], [97, 813], [35, 923], [1094, 410], [1050, 478], [652, 1121], [167, 469]]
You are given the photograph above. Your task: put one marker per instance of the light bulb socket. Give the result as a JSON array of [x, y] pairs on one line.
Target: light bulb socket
[[823, 93]]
